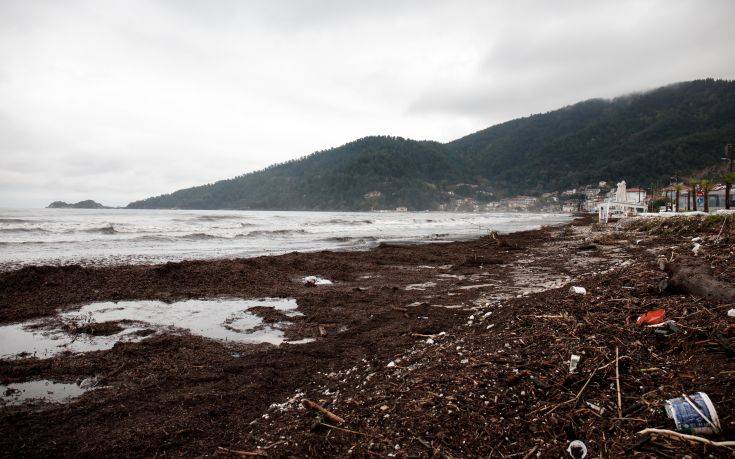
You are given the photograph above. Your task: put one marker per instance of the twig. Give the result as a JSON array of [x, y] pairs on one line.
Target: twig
[[330, 426], [682, 436], [579, 394], [617, 383], [242, 453], [717, 239], [530, 453], [316, 407]]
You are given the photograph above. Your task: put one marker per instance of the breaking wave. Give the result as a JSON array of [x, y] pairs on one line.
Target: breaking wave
[[355, 239], [109, 229], [279, 232], [341, 221], [23, 230], [201, 237], [16, 220]]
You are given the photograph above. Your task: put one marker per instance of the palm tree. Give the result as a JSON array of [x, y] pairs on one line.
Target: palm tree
[[729, 179], [693, 185], [706, 186]]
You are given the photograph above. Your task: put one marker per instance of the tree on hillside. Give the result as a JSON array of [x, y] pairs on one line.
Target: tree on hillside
[[729, 179], [706, 186], [693, 185]]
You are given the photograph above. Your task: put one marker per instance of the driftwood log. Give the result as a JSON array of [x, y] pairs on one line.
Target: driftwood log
[[691, 276]]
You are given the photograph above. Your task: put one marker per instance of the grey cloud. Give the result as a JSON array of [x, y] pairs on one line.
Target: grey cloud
[[528, 71]]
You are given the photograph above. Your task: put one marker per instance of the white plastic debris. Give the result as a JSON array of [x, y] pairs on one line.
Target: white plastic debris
[[391, 364], [695, 249], [731, 313], [577, 449], [574, 362], [578, 290], [596, 408], [429, 341], [696, 239], [316, 280]]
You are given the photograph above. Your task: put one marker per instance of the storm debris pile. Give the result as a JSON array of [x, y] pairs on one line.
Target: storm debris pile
[[496, 356], [501, 383]]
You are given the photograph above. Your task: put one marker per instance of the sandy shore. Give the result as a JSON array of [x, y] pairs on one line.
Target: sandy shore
[[455, 349]]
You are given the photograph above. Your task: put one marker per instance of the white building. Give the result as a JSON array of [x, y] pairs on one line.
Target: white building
[[635, 195], [624, 203]]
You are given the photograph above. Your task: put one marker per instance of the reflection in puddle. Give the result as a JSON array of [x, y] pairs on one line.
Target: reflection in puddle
[[222, 319], [44, 389]]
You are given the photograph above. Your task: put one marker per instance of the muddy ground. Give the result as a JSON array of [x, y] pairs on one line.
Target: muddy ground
[[479, 334]]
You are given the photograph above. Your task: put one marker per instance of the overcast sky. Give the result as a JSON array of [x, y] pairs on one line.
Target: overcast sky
[[120, 100]]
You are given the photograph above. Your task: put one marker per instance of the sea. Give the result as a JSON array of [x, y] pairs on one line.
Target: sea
[[104, 237]]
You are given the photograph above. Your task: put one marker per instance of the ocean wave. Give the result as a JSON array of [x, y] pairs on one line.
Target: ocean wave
[[278, 232], [23, 230], [109, 229], [213, 218], [16, 220], [23, 243], [200, 237], [354, 239], [341, 221], [152, 238]]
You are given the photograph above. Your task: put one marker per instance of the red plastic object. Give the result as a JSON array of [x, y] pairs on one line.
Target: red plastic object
[[654, 317]]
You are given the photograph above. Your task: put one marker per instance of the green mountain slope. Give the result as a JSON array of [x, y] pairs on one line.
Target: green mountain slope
[[651, 136], [677, 129], [404, 171]]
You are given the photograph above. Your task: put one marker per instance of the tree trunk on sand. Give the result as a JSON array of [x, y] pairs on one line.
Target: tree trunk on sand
[[690, 276]]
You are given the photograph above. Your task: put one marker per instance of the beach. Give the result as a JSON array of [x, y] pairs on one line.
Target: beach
[[444, 349]]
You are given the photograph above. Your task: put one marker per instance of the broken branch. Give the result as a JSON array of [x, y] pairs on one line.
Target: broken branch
[[688, 437], [308, 404]]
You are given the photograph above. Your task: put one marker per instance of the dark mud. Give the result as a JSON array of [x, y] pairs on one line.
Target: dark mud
[[178, 394]]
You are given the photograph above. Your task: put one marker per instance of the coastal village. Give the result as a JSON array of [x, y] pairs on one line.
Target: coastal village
[[703, 195]]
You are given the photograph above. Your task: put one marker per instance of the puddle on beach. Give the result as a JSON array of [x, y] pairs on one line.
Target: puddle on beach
[[221, 319], [41, 390]]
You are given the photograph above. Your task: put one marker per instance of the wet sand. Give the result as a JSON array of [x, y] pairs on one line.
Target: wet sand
[[181, 394]]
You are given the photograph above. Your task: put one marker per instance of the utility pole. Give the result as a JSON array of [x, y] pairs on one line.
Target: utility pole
[[729, 153]]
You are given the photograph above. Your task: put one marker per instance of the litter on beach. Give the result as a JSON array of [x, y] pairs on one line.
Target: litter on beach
[[694, 414], [316, 280], [578, 290], [574, 362], [577, 449], [654, 317]]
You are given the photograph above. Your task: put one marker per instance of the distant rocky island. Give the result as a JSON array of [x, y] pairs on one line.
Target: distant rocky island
[[88, 204]]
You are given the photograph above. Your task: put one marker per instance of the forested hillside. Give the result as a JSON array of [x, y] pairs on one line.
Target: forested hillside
[[642, 138]]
